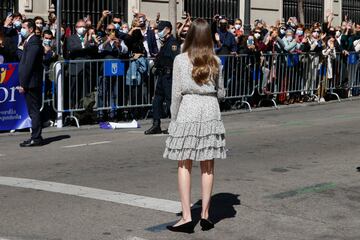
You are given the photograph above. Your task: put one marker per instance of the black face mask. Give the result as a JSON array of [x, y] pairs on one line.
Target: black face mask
[[223, 26], [332, 33], [183, 34]]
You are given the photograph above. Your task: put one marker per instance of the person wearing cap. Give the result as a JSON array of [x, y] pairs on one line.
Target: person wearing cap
[[163, 69]]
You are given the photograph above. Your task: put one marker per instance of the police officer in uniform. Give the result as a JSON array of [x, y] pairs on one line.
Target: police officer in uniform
[[164, 66]]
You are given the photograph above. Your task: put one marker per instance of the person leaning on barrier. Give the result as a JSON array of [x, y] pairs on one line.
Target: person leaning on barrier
[[80, 46], [49, 49], [164, 66], [30, 77], [111, 48], [224, 40]]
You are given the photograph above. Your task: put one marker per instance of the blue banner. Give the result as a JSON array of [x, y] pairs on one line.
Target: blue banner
[[13, 111], [114, 68]]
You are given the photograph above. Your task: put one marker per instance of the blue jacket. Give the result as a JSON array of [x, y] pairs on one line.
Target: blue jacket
[[136, 71]]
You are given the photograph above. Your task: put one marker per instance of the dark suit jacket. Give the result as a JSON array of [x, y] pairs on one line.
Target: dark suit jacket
[[151, 39], [30, 66], [76, 52], [111, 53], [13, 34]]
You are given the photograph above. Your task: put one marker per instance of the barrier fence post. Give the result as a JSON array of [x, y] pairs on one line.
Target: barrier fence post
[[60, 107]]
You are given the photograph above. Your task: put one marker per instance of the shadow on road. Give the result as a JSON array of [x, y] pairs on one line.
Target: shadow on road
[[47, 141], [222, 207]]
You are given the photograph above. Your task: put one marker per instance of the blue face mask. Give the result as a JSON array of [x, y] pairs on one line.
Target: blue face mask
[[117, 26], [47, 42], [162, 34], [17, 24], [24, 33], [299, 32]]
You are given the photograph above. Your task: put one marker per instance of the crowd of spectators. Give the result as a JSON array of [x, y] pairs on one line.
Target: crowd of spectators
[[112, 37]]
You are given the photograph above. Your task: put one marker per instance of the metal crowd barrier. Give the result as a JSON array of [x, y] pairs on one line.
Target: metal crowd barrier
[[102, 86], [277, 77], [110, 84]]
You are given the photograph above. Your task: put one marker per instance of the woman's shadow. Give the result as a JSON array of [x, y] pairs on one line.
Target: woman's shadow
[[221, 207]]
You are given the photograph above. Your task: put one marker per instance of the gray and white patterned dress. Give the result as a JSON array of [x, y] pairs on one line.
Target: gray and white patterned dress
[[196, 131]]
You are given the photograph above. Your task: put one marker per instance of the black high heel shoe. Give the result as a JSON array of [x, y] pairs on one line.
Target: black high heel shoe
[[206, 224], [185, 228]]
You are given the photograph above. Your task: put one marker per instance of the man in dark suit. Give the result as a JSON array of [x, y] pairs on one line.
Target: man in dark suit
[[30, 76], [80, 46]]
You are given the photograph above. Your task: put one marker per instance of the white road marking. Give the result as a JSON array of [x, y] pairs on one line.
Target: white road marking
[[132, 238], [94, 193], [74, 146], [98, 143], [86, 144]]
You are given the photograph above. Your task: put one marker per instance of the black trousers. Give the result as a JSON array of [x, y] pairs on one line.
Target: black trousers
[[33, 102], [162, 94]]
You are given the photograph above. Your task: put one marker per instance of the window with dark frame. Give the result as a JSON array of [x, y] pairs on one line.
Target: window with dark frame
[[352, 9], [6, 7], [208, 8], [314, 10], [73, 10]]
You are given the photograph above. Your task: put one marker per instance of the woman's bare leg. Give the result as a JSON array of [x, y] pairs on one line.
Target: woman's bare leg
[[184, 180], [207, 181]]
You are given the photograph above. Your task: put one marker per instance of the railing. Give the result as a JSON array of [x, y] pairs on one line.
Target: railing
[[110, 85]]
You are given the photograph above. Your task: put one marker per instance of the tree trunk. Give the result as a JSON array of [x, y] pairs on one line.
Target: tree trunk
[[301, 11], [172, 14]]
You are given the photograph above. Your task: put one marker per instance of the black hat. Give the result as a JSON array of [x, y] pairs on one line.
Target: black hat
[[164, 24]]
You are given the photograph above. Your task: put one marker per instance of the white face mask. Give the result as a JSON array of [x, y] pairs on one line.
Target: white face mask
[[338, 34], [282, 31], [289, 38], [257, 35], [237, 26], [299, 32], [125, 30], [315, 34], [81, 31], [39, 25]]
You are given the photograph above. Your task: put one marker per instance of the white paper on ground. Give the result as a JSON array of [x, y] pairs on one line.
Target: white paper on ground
[[133, 124]]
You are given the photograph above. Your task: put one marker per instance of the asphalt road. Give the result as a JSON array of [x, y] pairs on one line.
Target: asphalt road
[[290, 174]]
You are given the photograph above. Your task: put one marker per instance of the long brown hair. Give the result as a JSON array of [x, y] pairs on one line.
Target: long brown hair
[[200, 48]]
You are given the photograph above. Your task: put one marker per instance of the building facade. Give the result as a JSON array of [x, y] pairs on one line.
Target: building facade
[[269, 10]]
